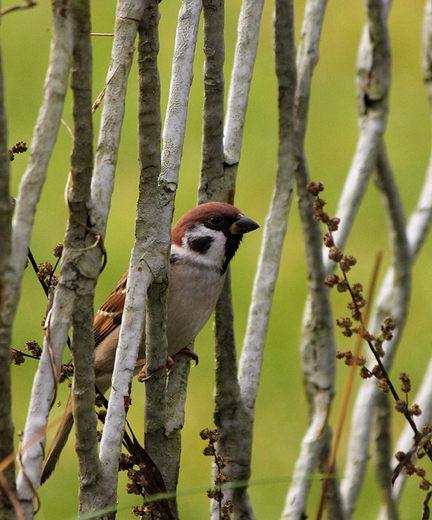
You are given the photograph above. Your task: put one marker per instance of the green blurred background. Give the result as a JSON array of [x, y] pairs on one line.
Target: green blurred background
[[281, 412]]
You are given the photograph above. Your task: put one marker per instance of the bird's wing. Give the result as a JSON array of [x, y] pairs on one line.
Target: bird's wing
[[109, 316]]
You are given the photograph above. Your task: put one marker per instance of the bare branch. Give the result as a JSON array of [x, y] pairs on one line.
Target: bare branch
[[392, 301], [383, 454], [181, 81], [244, 61], [317, 341], [154, 234], [275, 228], [230, 415], [373, 85], [218, 178], [162, 440], [419, 222], [7, 491], [241, 78], [18, 7], [87, 265], [131, 333], [44, 138], [237, 431], [217, 184], [128, 15], [212, 186], [417, 229]]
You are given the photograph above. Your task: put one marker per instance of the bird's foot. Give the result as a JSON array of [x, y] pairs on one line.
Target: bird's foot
[[190, 353], [142, 374]]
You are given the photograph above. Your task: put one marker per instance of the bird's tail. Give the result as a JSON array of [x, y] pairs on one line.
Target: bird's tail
[[58, 443]]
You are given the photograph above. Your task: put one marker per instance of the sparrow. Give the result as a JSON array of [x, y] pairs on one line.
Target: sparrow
[[203, 242]]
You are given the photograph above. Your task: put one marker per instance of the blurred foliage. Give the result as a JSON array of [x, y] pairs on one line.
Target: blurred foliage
[[281, 412]]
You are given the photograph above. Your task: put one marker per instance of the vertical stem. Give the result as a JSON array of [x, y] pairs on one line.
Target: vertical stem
[[165, 444], [44, 138], [383, 453], [152, 201], [128, 16], [212, 182], [317, 341], [6, 425], [86, 266]]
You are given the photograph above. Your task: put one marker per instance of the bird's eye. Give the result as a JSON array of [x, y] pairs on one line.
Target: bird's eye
[[215, 220]]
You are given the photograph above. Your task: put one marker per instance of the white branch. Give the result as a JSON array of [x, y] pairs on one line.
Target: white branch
[[131, 334], [263, 291], [356, 182], [43, 141], [128, 14], [275, 227], [41, 397], [392, 301], [307, 59], [244, 61], [307, 461], [317, 341], [417, 229], [373, 83], [164, 445], [44, 138], [181, 81]]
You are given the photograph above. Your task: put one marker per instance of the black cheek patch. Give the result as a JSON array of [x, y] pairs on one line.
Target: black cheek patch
[[200, 244]]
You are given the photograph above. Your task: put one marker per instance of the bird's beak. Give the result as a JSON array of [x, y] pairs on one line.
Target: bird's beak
[[243, 225]]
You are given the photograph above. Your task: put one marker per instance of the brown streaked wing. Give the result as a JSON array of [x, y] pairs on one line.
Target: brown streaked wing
[[109, 316]]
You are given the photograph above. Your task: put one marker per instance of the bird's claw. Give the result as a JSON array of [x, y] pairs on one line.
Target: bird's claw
[[142, 374], [190, 353]]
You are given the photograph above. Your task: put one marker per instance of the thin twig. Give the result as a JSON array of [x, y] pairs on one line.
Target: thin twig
[[18, 7], [241, 78], [102, 94], [13, 499]]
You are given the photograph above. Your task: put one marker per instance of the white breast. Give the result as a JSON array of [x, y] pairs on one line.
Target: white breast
[[194, 290]]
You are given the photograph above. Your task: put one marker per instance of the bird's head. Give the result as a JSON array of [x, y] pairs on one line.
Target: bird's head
[[211, 234]]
